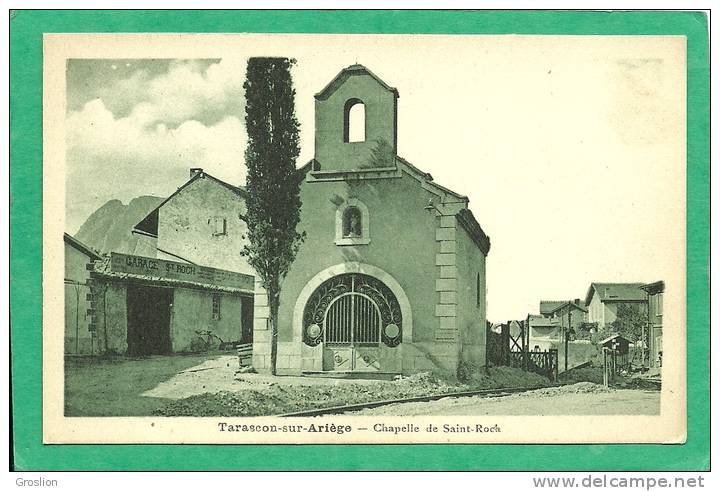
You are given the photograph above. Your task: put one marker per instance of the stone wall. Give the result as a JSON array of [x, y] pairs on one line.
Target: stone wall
[[78, 338], [112, 331]]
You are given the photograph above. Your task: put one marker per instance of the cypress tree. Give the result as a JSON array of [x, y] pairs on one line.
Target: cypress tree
[[273, 182]]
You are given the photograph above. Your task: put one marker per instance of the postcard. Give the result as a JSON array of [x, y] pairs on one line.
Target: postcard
[[359, 239]]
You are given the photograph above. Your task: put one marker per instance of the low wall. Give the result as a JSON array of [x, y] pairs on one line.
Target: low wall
[[579, 352]]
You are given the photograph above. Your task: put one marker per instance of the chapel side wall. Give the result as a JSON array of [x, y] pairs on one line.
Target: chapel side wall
[[610, 310], [471, 313], [186, 228]]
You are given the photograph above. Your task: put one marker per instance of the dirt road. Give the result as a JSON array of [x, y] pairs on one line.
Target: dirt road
[[543, 402], [208, 385]]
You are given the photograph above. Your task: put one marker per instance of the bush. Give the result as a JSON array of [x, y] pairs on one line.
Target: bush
[[466, 371], [585, 330]]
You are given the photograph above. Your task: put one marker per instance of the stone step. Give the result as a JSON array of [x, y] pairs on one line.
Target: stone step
[[353, 375]]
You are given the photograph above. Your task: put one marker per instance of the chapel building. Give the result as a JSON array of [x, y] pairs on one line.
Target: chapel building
[[391, 276]]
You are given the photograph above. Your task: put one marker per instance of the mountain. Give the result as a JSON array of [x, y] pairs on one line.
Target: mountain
[[109, 228]]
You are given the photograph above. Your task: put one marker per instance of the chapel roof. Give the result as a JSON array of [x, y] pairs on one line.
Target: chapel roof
[[346, 73]]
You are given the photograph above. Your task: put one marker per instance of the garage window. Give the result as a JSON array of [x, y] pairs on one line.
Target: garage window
[[216, 307]]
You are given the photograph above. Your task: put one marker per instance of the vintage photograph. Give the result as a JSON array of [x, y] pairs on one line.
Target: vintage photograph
[[260, 226]]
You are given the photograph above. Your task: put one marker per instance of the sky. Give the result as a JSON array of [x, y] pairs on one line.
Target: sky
[[570, 149]]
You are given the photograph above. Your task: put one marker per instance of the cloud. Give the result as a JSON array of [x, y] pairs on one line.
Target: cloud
[[187, 90], [121, 158]]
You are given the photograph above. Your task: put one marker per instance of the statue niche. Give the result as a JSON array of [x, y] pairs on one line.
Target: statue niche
[[352, 222]]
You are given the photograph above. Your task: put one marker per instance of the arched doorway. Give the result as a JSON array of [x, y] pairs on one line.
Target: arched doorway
[[358, 321]]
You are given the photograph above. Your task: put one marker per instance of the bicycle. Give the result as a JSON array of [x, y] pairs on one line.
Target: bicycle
[[206, 341]]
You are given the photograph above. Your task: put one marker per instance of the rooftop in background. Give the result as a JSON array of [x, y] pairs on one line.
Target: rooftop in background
[[547, 306], [654, 288], [575, 303], [87, 250], [616, 292], [541, 321]]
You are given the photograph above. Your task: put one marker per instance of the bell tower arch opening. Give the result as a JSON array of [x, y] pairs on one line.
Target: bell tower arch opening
[[354, 121]]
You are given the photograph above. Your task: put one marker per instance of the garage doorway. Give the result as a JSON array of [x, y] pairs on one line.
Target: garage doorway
[[148, 320], [247, 314]]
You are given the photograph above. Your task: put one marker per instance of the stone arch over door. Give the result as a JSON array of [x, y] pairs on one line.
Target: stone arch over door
[[352, 267]]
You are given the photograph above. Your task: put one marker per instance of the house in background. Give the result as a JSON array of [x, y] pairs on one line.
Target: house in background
[[79, 338], [570, 315], [655, 292], [200, 223], [544, 333], [603, 300]]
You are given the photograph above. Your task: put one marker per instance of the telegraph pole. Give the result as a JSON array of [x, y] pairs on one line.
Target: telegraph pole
[[527, 344], [567, 334]]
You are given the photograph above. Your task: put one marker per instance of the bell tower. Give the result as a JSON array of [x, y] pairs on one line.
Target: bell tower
[[355, 123]]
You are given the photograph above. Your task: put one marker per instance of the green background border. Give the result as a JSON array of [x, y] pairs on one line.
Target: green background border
[[26, 30]]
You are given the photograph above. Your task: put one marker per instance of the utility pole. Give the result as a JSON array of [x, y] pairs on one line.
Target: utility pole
[[527, 329], [524, 342], [527, 345], [567, 334], [647, 334]]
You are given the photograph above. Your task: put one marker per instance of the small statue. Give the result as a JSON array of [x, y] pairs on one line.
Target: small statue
[[354, 228]]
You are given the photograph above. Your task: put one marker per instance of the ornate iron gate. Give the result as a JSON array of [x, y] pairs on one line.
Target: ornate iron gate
[[355, 317], [352, 319]]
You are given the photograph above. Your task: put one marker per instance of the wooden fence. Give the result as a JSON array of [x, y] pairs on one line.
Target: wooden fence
[[497, 346], [541, 362], [504, 349], [244, 352]]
